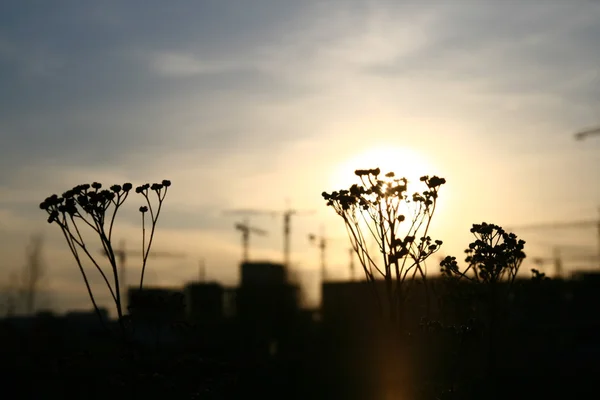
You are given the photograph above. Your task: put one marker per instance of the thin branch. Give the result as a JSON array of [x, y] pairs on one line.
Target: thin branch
[[87, 284]]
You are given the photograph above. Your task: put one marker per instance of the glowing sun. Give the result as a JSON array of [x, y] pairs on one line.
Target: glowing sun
[[404, 162]]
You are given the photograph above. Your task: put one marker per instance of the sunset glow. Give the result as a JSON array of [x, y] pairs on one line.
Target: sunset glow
[[402, 161]]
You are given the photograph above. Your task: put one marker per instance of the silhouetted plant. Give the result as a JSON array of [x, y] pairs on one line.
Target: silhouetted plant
[[495, 256], [89, 205], [538, 276], [377, 207]]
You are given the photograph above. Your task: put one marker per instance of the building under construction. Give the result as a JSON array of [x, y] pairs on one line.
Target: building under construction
[[266, 305]]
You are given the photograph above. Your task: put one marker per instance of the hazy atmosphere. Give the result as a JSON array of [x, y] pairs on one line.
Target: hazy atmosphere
[[268, 106]]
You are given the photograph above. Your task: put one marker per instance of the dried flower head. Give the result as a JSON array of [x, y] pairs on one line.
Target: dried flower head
[[97, 210]]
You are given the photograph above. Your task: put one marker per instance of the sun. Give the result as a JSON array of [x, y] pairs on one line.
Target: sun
[[403, 161]]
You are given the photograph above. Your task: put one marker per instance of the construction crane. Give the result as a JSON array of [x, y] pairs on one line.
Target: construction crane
[[287, 229], [588, 132], [121, 253], [352, 268], [201, 270], [287, 217], [583, 224], [246, 230], [321, 242], [558, 259]]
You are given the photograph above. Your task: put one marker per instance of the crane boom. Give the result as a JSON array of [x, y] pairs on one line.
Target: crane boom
[[564, 225], [246, 230], [557, 225], [557, 259], [250, 229], [588, 132], [167, 254], [249, 211], [122, 253], [287, 217]]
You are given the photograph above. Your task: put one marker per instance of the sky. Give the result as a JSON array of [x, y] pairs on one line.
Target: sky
[[266, 104]]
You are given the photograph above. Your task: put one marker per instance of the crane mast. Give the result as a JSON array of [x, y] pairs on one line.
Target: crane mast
[[246, 230], [122, 253], [566, 225], [321, 241], [287, 225]]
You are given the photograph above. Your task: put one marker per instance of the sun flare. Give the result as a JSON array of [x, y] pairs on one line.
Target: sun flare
[[404, 162]]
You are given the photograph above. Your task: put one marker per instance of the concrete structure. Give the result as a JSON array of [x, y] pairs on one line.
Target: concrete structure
[[205, 302], [262, 273]]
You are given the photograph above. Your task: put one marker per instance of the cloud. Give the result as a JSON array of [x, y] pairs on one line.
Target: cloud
[[15, 223], [112, 108], [543, 49], [105, 101], [182, 65]]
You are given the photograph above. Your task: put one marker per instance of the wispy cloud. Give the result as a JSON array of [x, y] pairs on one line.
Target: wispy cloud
[[181, 65]]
